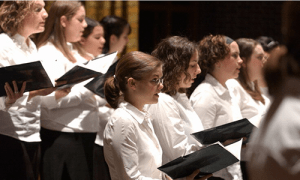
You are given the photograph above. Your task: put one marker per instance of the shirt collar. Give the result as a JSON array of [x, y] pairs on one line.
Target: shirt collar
[[138, 115], [20, 41], [70, 46], [215, 84]]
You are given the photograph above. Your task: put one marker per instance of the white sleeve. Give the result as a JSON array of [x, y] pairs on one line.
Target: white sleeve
[[169, 128], [125, 150], [205, 106]]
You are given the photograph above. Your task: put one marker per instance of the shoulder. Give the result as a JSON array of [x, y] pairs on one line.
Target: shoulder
[[5, 37], [121, 116], [47, 48], [166, 106], [6, 42], [233, 83], [165, 100], [204, 91]]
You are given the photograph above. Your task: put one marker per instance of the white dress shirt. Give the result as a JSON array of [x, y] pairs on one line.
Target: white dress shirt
[[251, 109], [215, 106], [131, 148], [22, 119], [174, 120], [104, 114], [274, 148], [76, 112]]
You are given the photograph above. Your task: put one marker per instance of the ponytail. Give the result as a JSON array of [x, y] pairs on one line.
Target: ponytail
[[112, 92], [134, 64]]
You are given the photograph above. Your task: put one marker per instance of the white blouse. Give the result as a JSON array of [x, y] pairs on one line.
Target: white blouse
[[215, 106], [76, 112], [22, 119], [174, 120], [131, 148], [274, 151], [251, 109]]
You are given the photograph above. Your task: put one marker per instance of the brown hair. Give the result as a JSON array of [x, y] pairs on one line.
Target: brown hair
[[175, 52], [133, 64], [113, 25], [212, 49], [54, 31], [91, 24], [247, 47], [12, 14]]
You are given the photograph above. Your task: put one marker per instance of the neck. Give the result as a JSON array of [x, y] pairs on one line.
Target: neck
[[134, 101], [260, 80], [220, 78], [25, 35]]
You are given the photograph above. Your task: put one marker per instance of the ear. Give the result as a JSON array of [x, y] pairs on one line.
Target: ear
[[63, 21], [131, 83], [113, 39]]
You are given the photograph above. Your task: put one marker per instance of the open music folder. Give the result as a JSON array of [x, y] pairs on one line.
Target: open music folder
[[234, 130], [37, 76], [208, 160]]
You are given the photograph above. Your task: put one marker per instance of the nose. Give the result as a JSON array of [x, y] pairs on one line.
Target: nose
[[160, 86], [198, 69], [240, 61], [45, 14], [103, 40], [84, 23]]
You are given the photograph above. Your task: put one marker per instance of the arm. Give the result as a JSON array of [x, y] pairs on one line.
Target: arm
[[13, 94], [205, 107], [125, 150], [169, 128]]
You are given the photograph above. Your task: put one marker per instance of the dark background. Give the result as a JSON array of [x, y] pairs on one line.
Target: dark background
[[196, 19]]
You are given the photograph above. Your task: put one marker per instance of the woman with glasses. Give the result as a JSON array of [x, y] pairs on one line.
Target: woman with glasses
[[253, 104], [251, 73], [131, 148], [173, 116], [268, 44]]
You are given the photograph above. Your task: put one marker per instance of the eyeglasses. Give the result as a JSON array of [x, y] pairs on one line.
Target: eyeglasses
[[157, 81]]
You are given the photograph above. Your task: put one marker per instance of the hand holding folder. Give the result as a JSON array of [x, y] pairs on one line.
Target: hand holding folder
[[36, 76]]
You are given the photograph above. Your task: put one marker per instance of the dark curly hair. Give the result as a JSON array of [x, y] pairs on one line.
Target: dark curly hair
[[175, 52], [212, 49], [12, 14]]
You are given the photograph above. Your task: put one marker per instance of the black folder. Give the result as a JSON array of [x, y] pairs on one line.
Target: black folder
[[208, 160], [86, 71], [234, 130], [97, 84], [33, 73], [76, 75]]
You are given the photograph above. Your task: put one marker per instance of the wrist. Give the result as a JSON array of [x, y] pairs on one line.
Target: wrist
[[8, 103]]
